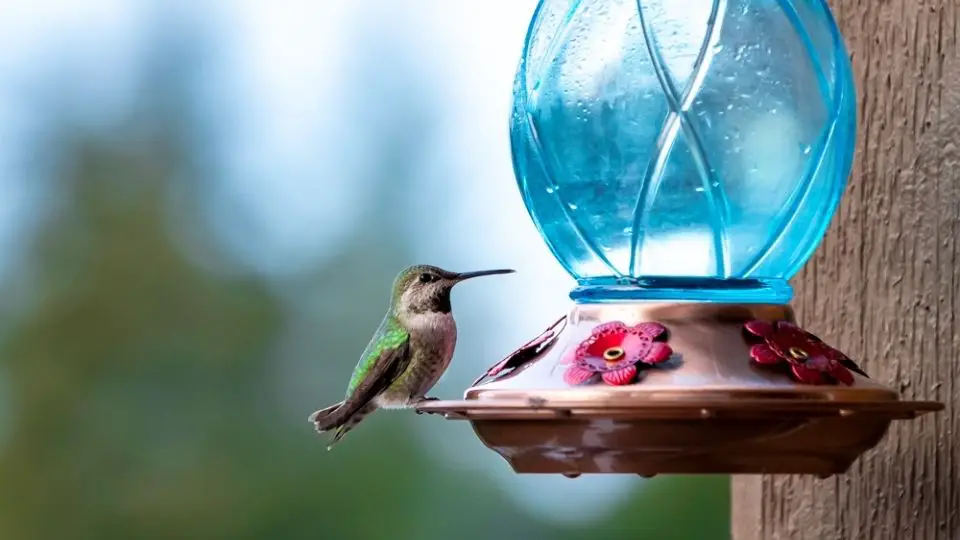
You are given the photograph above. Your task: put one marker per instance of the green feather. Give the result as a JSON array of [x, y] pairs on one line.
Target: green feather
[[390, 335]]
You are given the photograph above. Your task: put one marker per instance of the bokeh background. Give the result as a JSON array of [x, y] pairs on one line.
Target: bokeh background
[[203, 206]]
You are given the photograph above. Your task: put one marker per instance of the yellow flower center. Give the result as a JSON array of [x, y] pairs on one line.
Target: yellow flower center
[[613, 354], [798, 354]]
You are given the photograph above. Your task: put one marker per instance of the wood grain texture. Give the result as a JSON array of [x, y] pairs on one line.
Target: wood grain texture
[[884, 287]]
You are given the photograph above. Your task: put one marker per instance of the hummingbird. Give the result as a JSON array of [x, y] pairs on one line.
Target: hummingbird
[[407, 355]]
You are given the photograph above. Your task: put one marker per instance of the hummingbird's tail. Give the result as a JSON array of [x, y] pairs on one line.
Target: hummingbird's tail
[[340, 419], [329, 418], [321, 417]]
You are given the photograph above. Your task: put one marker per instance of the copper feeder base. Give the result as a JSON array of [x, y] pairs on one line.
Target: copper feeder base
[[712, 411]]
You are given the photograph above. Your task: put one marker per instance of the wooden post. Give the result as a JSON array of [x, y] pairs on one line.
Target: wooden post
[[885, 287]]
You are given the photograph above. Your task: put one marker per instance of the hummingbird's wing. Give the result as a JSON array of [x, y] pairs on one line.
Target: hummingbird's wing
[[390, 344], [385, 358], [378, 371]]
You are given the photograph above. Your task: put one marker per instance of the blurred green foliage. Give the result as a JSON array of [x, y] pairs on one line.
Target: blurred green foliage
[[143, 394]]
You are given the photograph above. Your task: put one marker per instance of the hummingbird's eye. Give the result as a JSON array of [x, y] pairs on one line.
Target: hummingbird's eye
[[428, 278]]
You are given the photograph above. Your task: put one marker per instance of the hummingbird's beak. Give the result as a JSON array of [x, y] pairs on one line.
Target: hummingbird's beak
[[467, 275]]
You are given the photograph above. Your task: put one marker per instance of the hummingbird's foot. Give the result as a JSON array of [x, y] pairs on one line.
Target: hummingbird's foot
[[422, 401]]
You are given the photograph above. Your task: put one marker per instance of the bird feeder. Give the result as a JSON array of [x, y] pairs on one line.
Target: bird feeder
[[682, 160]]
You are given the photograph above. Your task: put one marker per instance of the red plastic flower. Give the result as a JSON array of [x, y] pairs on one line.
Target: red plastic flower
[[811, 360], [614, 351]]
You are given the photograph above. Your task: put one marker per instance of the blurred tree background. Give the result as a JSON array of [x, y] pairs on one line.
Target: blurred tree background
[[146, 372]]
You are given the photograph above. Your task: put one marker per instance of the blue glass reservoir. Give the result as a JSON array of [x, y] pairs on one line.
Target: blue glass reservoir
[[683, 149]]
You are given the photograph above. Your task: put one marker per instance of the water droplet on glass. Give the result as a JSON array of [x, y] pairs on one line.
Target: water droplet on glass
[[806, 149], [628, 230], [550, 190], [571, 206], [699, 189]]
